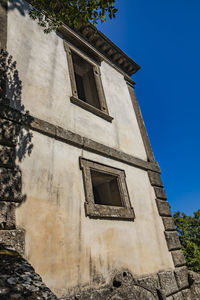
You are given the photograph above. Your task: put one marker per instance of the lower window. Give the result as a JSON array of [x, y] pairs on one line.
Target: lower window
[[106, 191]]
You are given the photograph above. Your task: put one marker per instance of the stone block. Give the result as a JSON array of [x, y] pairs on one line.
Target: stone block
[[194, 281], [194, 277], [169, 223], [7, 215], [163, 208], [9, 131], [155, 179], [151, 281], [181, 275], [119, 155], [69, 137], [187, 294], [168, 282], [160, 193], [43, 127], [10, 185], [172, 239], [178, 296], [178, 258], [95, 147], [13, 239], [131, 160], [7, 156]]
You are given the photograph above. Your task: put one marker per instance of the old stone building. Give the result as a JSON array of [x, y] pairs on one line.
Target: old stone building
[[81, 195]]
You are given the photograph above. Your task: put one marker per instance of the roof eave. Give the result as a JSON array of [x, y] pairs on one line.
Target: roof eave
[[104, 45]]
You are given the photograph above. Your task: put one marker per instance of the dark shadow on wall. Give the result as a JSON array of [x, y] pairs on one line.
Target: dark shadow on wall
[[15, 140], [11, 98], [22, 6]]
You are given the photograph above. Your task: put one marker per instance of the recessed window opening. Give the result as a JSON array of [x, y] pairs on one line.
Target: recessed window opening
[[85, 81], [105, 189]]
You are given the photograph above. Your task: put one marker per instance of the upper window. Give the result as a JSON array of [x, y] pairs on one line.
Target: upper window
[[106, 191], [87, 90], [85, 81]]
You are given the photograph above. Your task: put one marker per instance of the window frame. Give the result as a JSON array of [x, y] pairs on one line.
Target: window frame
[[94, 210], [103, 111]]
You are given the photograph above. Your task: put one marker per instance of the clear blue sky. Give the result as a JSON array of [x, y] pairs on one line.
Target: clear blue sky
[[163, 37]]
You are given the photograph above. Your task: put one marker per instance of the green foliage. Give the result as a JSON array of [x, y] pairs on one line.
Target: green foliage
[[188, 228], [50, 14]]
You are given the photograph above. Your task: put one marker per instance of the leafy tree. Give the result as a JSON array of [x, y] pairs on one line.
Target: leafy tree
[[51, 14], [188, 228]]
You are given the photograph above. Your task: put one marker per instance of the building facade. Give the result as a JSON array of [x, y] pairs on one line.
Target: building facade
[[82, 198]]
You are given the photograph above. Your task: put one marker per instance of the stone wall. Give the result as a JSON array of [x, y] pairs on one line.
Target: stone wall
[[18, 281], [163, 285], [10, 182], [13, 146]]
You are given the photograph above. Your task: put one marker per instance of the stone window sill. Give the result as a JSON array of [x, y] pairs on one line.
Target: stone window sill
[[91, 109]]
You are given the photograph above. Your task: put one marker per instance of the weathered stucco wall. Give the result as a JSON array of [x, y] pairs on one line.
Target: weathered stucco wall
[[43, 69], [69, 249]]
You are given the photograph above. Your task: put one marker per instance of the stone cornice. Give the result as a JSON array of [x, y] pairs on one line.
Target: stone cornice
[[98, 46], [75, 139], [104, 45]]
